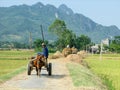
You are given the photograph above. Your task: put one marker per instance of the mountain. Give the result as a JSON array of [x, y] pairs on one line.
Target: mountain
[[17, 21]]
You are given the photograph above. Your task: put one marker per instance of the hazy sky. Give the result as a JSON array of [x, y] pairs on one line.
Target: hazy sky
[[105, 12]]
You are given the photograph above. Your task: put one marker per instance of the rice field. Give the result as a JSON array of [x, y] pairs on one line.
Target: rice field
[[107, 67], [12, 63]]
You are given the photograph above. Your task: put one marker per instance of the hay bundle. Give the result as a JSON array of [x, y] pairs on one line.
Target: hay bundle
[[57, 54], [74, 50], [74, 58], [66, 51], [82, 54]]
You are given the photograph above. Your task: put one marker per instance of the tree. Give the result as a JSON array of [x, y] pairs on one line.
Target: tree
[[82, 41], [58, 27], [65, 36], [115, 45], [38, 43]]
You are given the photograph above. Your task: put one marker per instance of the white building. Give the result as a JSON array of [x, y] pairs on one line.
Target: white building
[[106, 41]]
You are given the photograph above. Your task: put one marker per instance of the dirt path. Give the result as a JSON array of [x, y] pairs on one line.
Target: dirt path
[[60, 79]]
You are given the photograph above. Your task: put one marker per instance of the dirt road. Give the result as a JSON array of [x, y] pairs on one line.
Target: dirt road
[[60, 79]]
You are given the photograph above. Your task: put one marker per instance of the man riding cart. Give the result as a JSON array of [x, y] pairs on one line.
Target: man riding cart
[[39, 61], [45, 51]]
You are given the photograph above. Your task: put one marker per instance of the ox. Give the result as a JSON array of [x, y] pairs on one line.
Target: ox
[[37, 62]]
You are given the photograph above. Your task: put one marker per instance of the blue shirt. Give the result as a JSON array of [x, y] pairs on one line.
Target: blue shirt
[[45, 52]]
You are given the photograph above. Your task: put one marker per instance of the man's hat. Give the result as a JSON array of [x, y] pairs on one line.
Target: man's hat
[[43, 44]]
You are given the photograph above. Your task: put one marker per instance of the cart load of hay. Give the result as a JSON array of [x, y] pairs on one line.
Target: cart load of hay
[[67, 51]]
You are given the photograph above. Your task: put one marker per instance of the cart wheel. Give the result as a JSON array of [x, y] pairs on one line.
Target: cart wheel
[[50, 69], [29, 70]]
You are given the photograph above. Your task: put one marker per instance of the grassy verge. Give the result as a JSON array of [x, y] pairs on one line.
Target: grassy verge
[[81, 76]]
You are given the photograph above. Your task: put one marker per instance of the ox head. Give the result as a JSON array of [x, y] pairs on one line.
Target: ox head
[[40, 56]]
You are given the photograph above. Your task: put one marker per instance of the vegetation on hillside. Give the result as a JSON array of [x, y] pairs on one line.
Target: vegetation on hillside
[[17, 21]]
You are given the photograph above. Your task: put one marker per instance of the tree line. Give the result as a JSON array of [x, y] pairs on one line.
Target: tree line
[[13, 45], [64, 37]]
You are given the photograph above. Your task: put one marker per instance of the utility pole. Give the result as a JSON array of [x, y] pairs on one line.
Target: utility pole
[[101, 49], [30, 39], [42, 32]]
